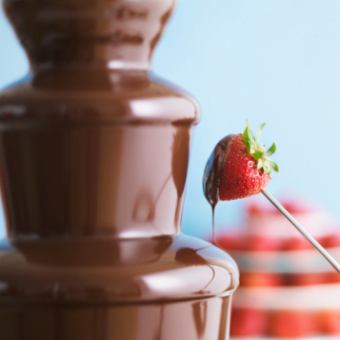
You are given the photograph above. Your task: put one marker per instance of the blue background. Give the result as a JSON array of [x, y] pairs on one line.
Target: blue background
[[273, 61]]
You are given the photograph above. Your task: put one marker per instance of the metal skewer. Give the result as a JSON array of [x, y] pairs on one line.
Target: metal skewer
[[332, 261]]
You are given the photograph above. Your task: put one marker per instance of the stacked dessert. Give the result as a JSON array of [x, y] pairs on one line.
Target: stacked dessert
[[287, 289]]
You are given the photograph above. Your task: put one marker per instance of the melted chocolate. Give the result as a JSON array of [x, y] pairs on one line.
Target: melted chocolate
[[93, 159], [212, 177], [212, 172]]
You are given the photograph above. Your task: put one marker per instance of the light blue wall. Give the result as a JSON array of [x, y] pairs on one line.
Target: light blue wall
[[273, 61]]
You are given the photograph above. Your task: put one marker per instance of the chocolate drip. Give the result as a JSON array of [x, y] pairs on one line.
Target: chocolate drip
[[212, 176], [212, 172]]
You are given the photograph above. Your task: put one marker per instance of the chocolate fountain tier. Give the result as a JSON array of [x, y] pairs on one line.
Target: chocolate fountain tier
[[95, 153], [95, 95], [159, 288], [115, 271], [115, 34], [93, 176]]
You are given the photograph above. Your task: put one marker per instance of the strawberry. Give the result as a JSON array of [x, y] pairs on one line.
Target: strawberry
[[248, 322], [262, 243], [311, 279], [293, 324], [230, 242], [238, 167], [331, 241], [330, 322], [296, 243], [261, 280]]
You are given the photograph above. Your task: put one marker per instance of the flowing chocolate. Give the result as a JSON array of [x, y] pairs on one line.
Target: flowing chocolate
[[212, 172], [93, 161]]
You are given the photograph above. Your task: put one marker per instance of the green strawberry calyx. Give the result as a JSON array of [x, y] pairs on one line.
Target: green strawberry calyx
[[257, 150]]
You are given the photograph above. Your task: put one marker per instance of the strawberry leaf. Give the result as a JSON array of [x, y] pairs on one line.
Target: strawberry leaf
[[258, 154], [257, 150], [246, 138], [271, 150]]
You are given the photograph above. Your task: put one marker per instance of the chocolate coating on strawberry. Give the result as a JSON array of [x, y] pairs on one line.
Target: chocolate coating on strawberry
[[238, 167], [213, 171]]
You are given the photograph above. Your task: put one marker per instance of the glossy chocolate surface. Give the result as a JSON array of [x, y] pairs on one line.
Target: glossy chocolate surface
[[94, 153], [114, 34], [79, 160], [212, 172], [112, 271], [203, 319]]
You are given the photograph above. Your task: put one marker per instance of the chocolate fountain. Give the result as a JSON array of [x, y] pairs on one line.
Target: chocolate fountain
[[93, 159]]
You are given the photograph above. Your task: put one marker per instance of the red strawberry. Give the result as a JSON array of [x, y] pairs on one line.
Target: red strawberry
[[331, 241], [296, 243], [293, 324], [330, 322], [261, 243], [238, 167], [229, 242], [311, 279], [248, 322], [261, 280]]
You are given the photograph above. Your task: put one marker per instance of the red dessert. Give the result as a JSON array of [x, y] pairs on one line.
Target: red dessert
[[330, 322], [249, 322], [331, 241], [296, 243], [261, 243], [306, 279], [292, 324], [230, 242], [261, 280], [286, 289]]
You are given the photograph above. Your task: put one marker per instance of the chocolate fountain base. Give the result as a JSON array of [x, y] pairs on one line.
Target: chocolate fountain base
[[204, 319], [163, 288]]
